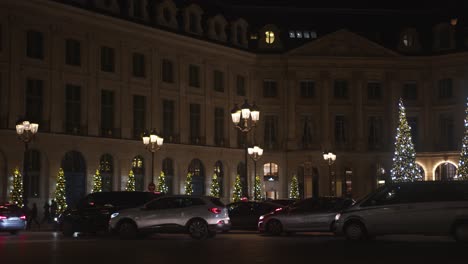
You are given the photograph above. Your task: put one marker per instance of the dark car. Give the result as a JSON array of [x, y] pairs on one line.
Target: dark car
[[311, 214], [283, 202], [244, 215], [92, 213], [12, 218]]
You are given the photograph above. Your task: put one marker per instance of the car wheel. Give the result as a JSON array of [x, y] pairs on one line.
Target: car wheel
[[461, 233], [127, 230], [198, 229], [14, 232], [354, 231], [274, 228], [67, 229]]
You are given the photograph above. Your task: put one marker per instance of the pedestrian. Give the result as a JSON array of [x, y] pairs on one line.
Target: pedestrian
[[33, 216], [53, 209], [27, 212], [46, 218]]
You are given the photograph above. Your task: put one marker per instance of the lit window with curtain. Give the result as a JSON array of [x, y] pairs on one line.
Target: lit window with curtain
[[270, 172]]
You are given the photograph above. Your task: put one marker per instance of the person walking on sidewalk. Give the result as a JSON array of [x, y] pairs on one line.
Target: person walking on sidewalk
[[33, 217], [46, 218]]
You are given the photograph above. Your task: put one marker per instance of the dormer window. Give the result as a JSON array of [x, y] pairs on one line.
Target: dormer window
[[299, 34], [306, 34], [107, 3], [192, 19], [217, 28], [269, 37], [167, 15], [240, 34], [408, 40], [292, 34], [444, 37], [193, 22], [137, 8]]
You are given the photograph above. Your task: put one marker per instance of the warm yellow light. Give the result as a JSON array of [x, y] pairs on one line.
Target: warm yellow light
[[269, 37]]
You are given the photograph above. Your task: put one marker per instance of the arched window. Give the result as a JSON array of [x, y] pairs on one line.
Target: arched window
[[270, 172], [421, 169], [138, 168], [74, 168], [168, 169], [32, 173], [219, 171], [106, 168], [240, 34], [445, 172], [198, 177], [269, 37]]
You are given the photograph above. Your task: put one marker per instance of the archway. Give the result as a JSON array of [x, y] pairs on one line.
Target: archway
[[106, 168], [198, 177], [168, 169], [74, 169], [445, 172], [308, 178], [138, 168]]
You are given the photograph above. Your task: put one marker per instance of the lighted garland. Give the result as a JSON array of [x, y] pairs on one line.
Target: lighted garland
[[97, 182], [215, 188], [188, 184], [130, 182], [294, 191], [257, 189], [237, 192], [162, 186], [16, 194], [60, 197], [463, 163]]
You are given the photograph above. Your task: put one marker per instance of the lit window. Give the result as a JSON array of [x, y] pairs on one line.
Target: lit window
[[313, 34], [253, 36], [298, 34], [306, 34], [292, 34], [270, 171], [269, 37], [408, 40]]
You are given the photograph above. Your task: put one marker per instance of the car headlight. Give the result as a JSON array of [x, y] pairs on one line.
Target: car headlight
[[114, 215], [261, 217], [337, 217]]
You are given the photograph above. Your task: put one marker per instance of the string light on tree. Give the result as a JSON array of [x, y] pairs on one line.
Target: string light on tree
[[60, 197], [404, 168], [257, 189], [162, 186], [16, 195], [214, 188], [188, 184], [463, 163], [294, 191], [237, 192], [97, 182], [130, 182]]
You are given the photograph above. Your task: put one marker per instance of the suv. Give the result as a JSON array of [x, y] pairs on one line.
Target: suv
[[429, 208], [200, 216], [92, 213], [12, 218]]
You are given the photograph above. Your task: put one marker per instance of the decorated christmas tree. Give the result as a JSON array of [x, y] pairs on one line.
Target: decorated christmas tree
[[97, 182], [162, 186], [294, 191], [60, 192], [404, 168], [214, 188], [16, 195], [237, 192], [188, 184], [463, 164], [130, 182], [257, 189]]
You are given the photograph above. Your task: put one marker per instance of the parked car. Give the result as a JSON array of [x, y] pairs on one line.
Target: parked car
[[92, 213], [244, 215], [199, 216], [12, 218], [429, 208], [284, 202], [311, 214]]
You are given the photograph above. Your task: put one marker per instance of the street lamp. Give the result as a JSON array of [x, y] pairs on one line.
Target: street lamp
[[152, 143], [26, 132], [255, 154], [245, 119], [330, 157]]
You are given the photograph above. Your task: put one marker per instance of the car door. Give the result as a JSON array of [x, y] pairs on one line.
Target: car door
[[240, 213], [298, 216], [321, 217], [156, 213]]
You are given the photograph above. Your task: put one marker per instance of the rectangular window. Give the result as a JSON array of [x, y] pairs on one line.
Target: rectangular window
[[195, 123], [375, 132], [240, 85], [240, 139], [374, 91], [445, 88], [168, 120], [307, 88], [193, 23], [341, 89], [194, 76], [269, 89], [34, 100], [72, 52], [139, 116], [33, 172], [72, 109], [447, 129], [219, 126], [1, 37], [340, 129], [306, 131], [413, 123], [35, 44], [271, 131], [167, 71], [107, 113], [218, 81], [137, 8], [107, 59], [139, 65], [410, 91]]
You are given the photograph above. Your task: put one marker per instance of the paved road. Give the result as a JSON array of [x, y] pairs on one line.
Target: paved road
[[236, 247]]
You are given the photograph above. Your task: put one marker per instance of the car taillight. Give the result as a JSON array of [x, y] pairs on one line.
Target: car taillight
[[278, 209], [2, 217], [23, 217], [215, 210]]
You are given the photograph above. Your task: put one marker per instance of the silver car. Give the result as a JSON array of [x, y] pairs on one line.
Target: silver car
[[312, 214], [12, 218], [199, 216]]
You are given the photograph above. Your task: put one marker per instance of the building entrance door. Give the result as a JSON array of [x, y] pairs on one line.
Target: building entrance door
[[308, 180]]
